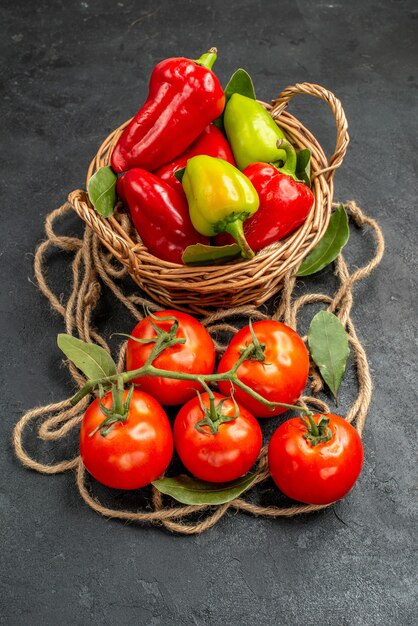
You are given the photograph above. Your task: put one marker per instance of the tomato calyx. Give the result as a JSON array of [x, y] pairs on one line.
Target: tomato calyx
[[163, 338], [213, 414], [258, 351], [119, 410], [317, 432]]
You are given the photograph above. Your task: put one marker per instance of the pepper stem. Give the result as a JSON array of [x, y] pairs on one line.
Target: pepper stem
[[236, 229], [290, 163], [208, 58]]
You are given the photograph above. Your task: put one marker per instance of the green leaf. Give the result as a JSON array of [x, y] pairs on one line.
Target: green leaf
[[101, 189], [330, 246], [219, 122], [328, 344], [188, 490], [91, 359], [240, 82], [303, 166], [200, 254], [180, 173]]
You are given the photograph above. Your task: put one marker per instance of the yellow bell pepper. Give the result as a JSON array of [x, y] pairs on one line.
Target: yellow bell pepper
[[220, 198]]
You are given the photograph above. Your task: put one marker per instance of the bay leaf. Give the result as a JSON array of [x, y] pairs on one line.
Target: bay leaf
[[201, 254], [101, 190], [303, 166], [91, 359], [240, 82], [188, 490], [330, 246], [328, 345], [180, 173]]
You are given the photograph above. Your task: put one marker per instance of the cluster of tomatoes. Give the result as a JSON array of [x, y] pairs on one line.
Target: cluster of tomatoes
[[216, 435]]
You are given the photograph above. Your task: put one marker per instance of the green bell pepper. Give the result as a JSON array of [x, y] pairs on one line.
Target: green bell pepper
[[251, 132]]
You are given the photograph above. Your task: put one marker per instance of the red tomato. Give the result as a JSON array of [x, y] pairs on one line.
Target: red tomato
[[134, 452], [219, 457], [315, 474], [281, 377], [196, 356]]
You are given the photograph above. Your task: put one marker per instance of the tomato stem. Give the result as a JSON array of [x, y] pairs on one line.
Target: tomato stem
[[118, 396], [211, 416], [260, 348], [270, 405], [165, 339], [119, 410]]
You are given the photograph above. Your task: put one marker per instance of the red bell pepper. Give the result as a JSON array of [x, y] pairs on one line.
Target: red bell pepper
[[160, 214], [285, 202], [211, 142], [184, 97]]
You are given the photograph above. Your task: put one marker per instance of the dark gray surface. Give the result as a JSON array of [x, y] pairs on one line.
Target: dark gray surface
[[71, 72]]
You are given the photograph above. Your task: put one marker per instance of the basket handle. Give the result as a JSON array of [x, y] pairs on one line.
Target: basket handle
[[335, 105]]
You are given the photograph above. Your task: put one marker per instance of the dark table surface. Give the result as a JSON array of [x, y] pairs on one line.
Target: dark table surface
[[71, 72]]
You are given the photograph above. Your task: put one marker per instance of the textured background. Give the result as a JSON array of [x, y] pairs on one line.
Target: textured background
[[71, 72]]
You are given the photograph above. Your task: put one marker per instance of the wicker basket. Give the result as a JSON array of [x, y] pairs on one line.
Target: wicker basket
[[202, 289]]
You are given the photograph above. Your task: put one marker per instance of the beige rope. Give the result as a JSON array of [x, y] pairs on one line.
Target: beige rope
[[93, 266]]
